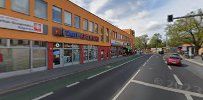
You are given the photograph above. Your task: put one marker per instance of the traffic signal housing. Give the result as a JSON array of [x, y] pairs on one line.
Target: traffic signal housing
[[170, 18]]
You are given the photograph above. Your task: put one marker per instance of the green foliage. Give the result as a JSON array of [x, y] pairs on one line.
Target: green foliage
[[186, 30], [141, 42], [156, 41]]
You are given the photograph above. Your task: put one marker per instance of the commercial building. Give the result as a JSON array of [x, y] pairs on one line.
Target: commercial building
[[45, 34]]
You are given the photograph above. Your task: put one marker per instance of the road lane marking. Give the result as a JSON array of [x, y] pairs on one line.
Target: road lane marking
[[188, 97], [117, 95], [177, 80], [43, 96], [168, 89], [112, 68], [144, 64], [170, 67], [73, 84]]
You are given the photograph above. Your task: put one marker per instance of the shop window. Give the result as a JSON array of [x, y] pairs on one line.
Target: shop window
[[39, 44], [20, 6], [14, 59], [39, 57], [2, 3], [20, 42], [67, 56], [67, 18], [3, 42], [76, 55], [96, 28], [85, 24], [56, 14], [67, 45], [41, 9], [77, 22], [91, 26]]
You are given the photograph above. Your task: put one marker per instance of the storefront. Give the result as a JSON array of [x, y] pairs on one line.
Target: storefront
[[116, 48], [65, 54], [22, 55], [90, 53]]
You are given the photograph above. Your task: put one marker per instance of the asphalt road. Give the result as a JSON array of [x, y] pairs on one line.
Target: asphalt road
[[158, 81], [145, 78], [102, 87]]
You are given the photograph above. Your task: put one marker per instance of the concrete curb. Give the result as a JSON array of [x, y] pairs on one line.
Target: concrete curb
[[201, 64]]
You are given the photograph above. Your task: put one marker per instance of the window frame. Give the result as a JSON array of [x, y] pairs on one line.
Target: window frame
[[4, 4], [71, 23], [46, 10], [85, 21], [92, 26], [53, 14], [78, 22], [21, 11], [96, 29]]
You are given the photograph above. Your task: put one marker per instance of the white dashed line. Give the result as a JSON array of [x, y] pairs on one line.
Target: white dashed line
[[170, 67], [169, 89], [72, 84], [144, 64], [188, 97], [112, 68], [43, 96], [177, 80], [125, 85]]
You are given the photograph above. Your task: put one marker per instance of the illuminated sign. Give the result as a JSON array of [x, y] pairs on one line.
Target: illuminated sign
[[71, 34], [57, 31]]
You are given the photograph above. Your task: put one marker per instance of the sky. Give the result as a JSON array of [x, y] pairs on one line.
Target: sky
[[143, 16]]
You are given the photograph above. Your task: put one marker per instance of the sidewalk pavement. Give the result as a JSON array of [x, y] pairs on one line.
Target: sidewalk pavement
[[22, 81], [197, 60]]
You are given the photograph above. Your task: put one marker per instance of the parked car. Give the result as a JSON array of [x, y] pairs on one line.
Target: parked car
[[174, 60]]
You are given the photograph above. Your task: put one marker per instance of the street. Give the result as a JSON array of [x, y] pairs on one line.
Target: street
[[155, 81], [147, 77]]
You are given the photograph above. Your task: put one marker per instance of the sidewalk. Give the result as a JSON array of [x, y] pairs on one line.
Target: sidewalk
[[22, 81], [197, 60]]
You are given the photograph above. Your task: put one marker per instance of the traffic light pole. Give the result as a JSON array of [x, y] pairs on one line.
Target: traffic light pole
[[171, 18], [188, 16]]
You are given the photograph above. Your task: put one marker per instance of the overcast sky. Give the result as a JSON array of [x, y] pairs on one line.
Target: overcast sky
[[143, 16]]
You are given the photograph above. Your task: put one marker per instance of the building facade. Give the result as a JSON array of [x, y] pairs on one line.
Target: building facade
[[45, 34]]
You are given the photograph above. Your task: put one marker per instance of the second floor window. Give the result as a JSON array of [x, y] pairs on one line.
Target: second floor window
[[96, 28], [40, 9], [85, 24], [77, 22], [91, 26], [2, 3], [56, 14], [20, 6], [68, 18]]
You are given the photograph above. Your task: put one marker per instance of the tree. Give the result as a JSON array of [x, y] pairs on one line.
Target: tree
[[156, 41], [141, 42], [187, 30]]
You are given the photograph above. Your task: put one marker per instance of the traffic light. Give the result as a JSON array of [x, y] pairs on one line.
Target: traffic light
[[170, 18]]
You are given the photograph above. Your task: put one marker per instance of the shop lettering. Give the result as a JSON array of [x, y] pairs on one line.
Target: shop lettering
[[71, 34], [20, 24]]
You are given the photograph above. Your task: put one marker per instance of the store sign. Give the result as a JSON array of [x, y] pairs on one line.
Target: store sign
[[57, 31], [71, 34], [116, 43], [20, 24]]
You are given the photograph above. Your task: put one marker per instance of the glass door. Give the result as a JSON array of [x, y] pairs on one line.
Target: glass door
[[57, 61], [67, 57]]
